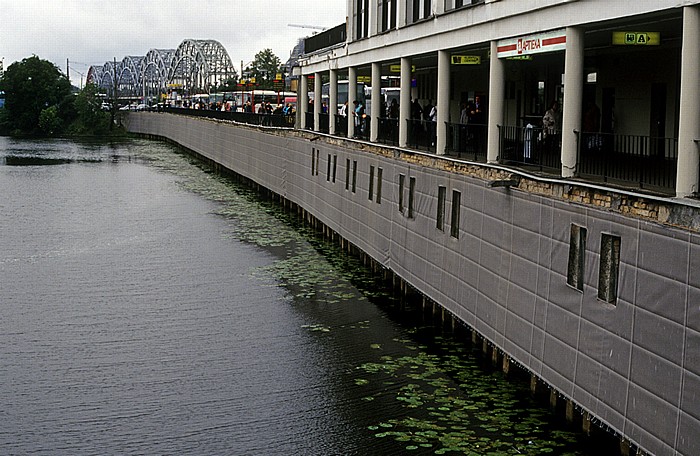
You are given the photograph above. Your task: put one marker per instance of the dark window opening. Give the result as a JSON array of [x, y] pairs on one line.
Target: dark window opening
[[577, 255], [371, 183], [411, 193], [379, 185], [609, 271], [442, 193], [456, 210], [402, 181], [354, 175], [347, 174]]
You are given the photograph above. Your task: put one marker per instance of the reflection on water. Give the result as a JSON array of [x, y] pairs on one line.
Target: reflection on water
[[152, 307]]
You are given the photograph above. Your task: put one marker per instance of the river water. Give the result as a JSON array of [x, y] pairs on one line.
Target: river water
[[149, 306]]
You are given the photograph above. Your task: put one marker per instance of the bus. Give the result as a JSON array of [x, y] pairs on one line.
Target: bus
[[343, 93]]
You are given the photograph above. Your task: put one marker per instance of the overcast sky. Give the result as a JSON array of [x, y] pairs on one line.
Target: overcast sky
[[91, 32]]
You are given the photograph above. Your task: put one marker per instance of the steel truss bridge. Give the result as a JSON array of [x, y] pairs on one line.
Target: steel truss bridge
[[196, 66]]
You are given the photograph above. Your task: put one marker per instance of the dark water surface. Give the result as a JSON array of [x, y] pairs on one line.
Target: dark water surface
[[148, 306]]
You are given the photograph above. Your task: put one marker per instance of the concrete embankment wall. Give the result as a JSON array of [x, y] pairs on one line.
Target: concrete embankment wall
[[500, 262]]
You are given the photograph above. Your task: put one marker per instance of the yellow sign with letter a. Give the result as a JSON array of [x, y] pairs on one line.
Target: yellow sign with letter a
[[636, 38]]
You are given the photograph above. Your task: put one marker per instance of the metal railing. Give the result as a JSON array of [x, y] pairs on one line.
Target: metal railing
[[529, 147], [388, 131], [625, 160], [421, 134], [270, 120], [467, 141], [642, 161]]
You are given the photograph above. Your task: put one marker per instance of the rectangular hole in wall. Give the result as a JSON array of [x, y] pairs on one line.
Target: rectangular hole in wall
[[609, 271], [347, 174], [379, 185], [318, 159], [456, 211], [313, 161], [371, 183], [335, 166], [328, 169], [411, 193], [354, 175], [402, 181], [577, 255], [440, 216]]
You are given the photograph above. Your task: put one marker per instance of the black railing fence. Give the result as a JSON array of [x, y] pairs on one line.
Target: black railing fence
[[388, 131], [529, 146], [641, 161], [467, 141], [270, 120], [421, 134]]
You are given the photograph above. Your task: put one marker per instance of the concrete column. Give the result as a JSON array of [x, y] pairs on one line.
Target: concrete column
[[376, 101], [443, 101], [689, 117], [303, 100], [573, 100], [497, 90], [332, 101], [405, 100], [352, 96], [318, 101]]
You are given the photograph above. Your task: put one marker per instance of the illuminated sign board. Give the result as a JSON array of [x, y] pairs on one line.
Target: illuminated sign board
[[465, 59], [636, 38], [532, 44], [365, 79], [397, 68]]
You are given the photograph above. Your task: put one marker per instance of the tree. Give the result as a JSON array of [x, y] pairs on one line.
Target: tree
[[264, 68], [90, 118], [32, 86]]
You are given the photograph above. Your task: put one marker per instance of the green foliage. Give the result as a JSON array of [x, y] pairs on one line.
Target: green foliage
[[264, 68], [89, 117], [49, 121], [32, 86]]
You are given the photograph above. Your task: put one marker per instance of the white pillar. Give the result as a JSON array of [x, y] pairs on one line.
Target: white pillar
[[303, 100], [689, 117], [573, 100], [497, 89], [332, 101], [376, 101], [352, 96], [318, 101], [401, 8], [373, 14], [443, 101], [405, 100]]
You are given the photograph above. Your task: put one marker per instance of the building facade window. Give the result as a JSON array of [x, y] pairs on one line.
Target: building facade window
[[420, 9], [347, 174], [380, 171], [371, 183], [387, 10], [402, 182], [361, 18], [454, 4]]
